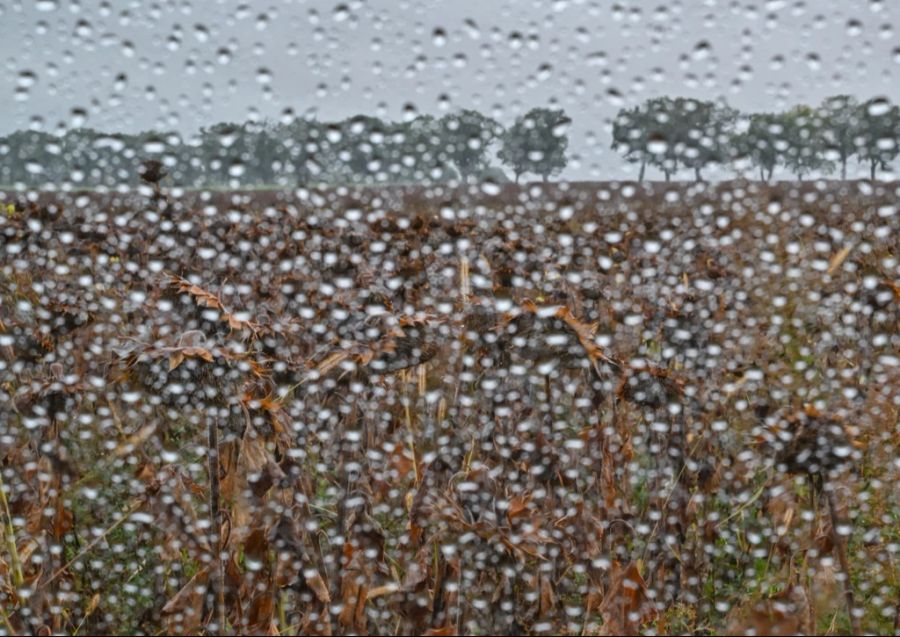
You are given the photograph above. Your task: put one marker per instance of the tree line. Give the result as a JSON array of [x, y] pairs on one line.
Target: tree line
[[294, 152], [670, 134], [680, 133]]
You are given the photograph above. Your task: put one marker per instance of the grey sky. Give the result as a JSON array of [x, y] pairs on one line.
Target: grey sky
[[179, 64]]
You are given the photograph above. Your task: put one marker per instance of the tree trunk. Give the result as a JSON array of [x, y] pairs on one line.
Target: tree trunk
[[762, 174], [843, 169], [545, 177], [641, 173], [873, 165], [697, 175], [518, 174], [668, 175], [769, 175]]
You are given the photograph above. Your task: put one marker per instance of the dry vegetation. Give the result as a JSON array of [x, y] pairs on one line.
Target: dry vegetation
[[591, 409]]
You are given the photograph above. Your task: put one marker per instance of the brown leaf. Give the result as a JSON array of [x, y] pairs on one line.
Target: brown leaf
[[261, 614], [785, 613], [354, 593], [129, 444], [518, 505], [184, 612], [175, 359], [381, 591], [627, 606], [548, 596], [199, 352], [317, 584], [838, 259]]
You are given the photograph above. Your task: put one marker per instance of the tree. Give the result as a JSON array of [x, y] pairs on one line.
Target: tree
[[536, 143], [425, 153], [759, 143], [663, 133], [630, 137], [30, 158], [669, 133], [223, 153], [467, 136], [804, 141], [704, 131], [840, 127], [362, 147], [264, 153], [879, 133], [300, 145]]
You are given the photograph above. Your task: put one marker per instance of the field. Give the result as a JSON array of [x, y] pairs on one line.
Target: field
[[587, 408]]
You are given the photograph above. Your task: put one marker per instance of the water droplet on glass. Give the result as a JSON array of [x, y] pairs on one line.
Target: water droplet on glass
[[340, 13], [879, 106], [702, 50]]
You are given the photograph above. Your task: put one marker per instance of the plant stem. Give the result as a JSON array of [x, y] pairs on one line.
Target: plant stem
[[125, 516], [845, 564], [18, 577], [216, 526]]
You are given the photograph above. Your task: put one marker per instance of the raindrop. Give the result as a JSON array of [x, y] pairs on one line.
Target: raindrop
[[154, 147], [702, 50], [77, 117], [340, 13], [491, 188], [201, 33], [879, 106], [410, 112], [26, 79], [472, 29], [84, 29]]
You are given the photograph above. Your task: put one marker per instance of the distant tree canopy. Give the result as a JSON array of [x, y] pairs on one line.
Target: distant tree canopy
[[360, 149], [669, 134], [536, 143], [469, 135], [675, 133]]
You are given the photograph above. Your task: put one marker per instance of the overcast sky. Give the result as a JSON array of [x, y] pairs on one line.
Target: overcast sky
[[179, 64]]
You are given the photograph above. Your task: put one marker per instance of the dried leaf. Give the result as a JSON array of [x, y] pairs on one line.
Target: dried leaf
[[627, 606], [548, 596], [184, 612], [317, 584], [449, 629], [518, 505], [838, 259], [175, 359]]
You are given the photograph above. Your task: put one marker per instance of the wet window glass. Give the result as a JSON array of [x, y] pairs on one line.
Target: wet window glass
[[432, 317]]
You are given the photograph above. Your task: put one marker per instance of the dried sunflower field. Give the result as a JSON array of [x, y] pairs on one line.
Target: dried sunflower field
[[585, 408]]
